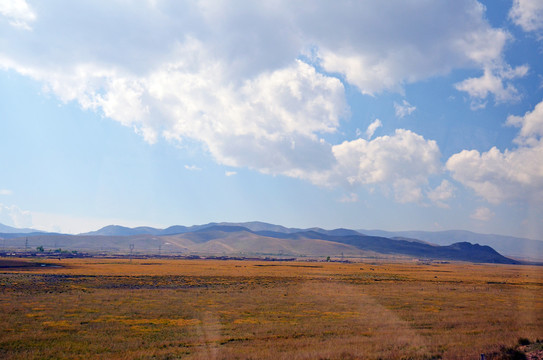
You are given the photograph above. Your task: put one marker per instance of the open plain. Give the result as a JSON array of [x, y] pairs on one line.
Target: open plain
[[211, 309]]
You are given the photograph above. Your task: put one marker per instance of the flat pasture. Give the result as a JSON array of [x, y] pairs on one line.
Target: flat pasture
[[211, 309]]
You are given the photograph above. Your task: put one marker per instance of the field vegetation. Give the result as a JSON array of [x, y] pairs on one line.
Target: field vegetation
[[209, 309]]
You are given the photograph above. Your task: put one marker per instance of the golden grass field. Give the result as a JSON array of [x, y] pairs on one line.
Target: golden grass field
[[208, 309]]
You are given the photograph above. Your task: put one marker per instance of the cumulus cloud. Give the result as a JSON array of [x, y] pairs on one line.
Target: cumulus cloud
[[482, 214], [531, 125], [270, 123], [244, 80], [493, 81], [230, 173], [11, 215], [497, 176], [5, 192], [442, 193], [398, 47], [515, 174], [527, 14], [18, 13], [372, 127], [403, 109], [401, 162]]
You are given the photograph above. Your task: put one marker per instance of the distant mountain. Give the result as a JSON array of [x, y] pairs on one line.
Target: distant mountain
[[11, 230], [221, 236], [234, 239], [462, 251], [268, 239], [335, 232], [507, 245], [116, 230], [410, 239], [256, 226], [261, 226], [172, 230], [26, 235]]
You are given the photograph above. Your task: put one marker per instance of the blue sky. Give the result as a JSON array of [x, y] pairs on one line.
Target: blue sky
[[415, 115]]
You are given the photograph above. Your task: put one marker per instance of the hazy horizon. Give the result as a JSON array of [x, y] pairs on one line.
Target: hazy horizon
[[361, 230]]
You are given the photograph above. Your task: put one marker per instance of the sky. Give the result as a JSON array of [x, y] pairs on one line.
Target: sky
[[396, 115]]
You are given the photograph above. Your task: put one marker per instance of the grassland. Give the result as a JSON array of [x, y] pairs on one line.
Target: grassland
[[202, 309]]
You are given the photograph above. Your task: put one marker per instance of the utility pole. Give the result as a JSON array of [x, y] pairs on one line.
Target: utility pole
[[131, 250], [26, 245]]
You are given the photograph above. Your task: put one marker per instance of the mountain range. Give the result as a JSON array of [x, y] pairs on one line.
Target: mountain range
[[4, 229], [259, 238], [508, 245]]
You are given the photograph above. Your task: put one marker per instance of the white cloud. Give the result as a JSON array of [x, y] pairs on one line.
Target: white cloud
[[372, 127], [269, 123], [248, 40], [403, 109], [493, 81], [192, 168], [482, 214], [5, 192], [516, 174], [349, 198], [398, 47], [123, 102], [531, 125], [497, 176], [442, 193], [11, 215], [18, 13], [403, 162], [408, 190], [230, 173], [527, 14], [230, 78]]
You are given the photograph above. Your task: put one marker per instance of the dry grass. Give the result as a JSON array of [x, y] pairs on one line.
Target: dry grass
[[152, 309]]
